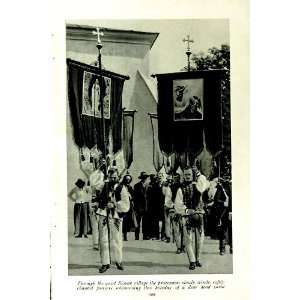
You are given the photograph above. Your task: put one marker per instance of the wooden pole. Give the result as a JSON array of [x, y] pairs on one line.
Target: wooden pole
[[99, 47]]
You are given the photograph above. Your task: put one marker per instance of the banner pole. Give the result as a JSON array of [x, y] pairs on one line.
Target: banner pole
[[99, 47]]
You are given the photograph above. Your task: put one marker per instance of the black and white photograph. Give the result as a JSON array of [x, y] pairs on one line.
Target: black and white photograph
[[148, 118], [145, 151], [188, 95]]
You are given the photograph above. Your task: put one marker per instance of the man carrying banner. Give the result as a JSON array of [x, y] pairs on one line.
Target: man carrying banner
[[97, 182], [113, 202], [189, 204]]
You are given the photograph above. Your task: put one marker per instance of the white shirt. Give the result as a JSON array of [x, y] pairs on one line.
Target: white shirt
[[168, 197], [81, 195], [122, 206]]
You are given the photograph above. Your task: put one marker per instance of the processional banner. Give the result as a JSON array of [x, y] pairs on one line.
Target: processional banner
[[91, 95], [85, 109], [189, 108]]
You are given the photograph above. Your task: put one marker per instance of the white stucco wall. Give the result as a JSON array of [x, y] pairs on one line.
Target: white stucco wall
[[125, 59]]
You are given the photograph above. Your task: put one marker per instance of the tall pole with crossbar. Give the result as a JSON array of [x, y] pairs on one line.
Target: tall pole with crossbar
[[99, 47], [188, 51]]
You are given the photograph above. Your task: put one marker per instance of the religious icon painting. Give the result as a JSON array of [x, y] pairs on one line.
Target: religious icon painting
[[91, 95], [188, 99]]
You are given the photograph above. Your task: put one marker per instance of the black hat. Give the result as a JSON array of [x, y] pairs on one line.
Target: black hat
[[127, 178], [80, 183], [143, 175]]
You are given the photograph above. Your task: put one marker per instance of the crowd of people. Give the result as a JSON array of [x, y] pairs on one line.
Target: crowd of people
[[173, 208]]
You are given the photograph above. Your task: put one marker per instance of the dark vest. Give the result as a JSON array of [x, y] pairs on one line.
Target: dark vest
[[104, 196], [174, 189], [191, 196]]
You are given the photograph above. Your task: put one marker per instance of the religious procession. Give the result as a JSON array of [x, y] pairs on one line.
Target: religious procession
[[172, 209], [149, 156]]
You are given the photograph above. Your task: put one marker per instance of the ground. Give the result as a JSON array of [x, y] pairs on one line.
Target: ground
[[145, 257]]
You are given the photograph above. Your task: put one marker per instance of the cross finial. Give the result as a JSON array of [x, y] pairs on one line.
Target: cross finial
[[188, 40], [98, 33]]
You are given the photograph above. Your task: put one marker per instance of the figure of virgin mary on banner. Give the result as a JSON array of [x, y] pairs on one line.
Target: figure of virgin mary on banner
[[84, 84]]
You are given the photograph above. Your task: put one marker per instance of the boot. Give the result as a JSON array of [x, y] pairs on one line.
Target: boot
[[192, 266], [222, 247], [137, 236], [198, 264], [104, 268], [120, 266]]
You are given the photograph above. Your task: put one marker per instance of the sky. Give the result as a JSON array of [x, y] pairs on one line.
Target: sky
[[168, 51]]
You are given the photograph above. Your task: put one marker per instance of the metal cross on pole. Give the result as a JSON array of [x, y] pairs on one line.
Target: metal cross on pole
[[188, 51], [98, 33], [99, 47]]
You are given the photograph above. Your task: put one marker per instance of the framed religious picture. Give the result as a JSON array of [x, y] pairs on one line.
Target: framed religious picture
[[188, 99], [91, 95]]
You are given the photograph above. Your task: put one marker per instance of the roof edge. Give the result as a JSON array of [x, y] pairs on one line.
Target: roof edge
[[84, 32], [148, 86]]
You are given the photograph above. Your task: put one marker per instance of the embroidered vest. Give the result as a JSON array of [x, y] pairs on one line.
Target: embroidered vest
[[191, 196]]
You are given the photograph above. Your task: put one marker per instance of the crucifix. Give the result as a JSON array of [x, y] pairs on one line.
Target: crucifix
[[98, 33], [188, 51]]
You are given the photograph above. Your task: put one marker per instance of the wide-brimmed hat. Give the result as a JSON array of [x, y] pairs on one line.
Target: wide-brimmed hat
[[143, 175], [80, 183]]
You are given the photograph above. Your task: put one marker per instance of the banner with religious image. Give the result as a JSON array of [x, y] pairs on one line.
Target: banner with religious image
[[85, 111], [91, 105], [189, 109], [188, 99]]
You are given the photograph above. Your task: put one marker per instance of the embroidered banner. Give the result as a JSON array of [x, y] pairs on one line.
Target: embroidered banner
[[85, 111], [91, 95], [189, 103], [188, 99]]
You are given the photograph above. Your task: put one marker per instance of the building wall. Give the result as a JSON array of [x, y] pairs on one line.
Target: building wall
[[144, 103], [124, 59]]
